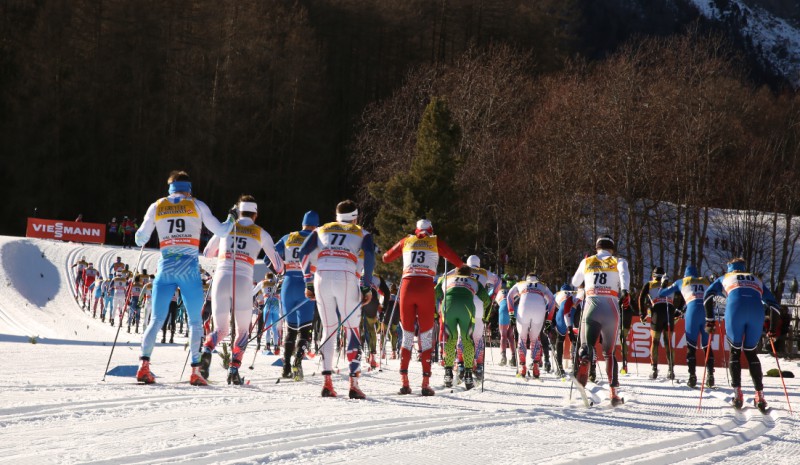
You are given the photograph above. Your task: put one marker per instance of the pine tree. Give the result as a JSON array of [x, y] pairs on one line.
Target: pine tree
[[427, 189]]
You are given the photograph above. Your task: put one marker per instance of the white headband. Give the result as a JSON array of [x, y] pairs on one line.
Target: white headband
[[353, 215], [248, 207]]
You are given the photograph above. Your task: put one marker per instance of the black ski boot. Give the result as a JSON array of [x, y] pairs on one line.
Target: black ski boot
[[692, 380], [593, 372], [233, 376], [205, 363], [469, 383], [287, 371], [710, 377], [547, 367], [297, 371], [479, 372], [654, 373], [448, 377], [460, 372], [671, 373], [513, 361], [503, 360]]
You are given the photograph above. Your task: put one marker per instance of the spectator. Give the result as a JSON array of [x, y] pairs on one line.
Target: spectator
[[793, 287], [79, 218], [112, 231], [127, 230]]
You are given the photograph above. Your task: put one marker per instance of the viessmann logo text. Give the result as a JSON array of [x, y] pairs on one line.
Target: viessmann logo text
[[66, 230], [59, 230]]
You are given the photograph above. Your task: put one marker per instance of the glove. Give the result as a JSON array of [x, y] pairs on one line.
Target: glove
[[643, 317], [571, 334], [233, 213], [677, 315], [664, 282], [710, 325], [310, 291], [547, 325], [486, 317], [366, 295], [513, 321], [624, 299]]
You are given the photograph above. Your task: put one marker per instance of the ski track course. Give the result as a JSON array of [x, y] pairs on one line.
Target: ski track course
[[54, 408]]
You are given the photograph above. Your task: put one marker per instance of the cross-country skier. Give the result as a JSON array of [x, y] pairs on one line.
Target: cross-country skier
[[146, 301], [133, 307], [389, 321], [662, 313], [89, 275], [298, 324], [458, 291], [108, 300], [336, 288], [233, 280], [80, 265], [692, 287], [606, 281], [565, 300], [491, 282], [506, 327], [420, 252], [98, 290], [270, 312], [116, 266], [171, 321], [369, 315], [120, 286], [535, 301], [178, 218], [744, 322]]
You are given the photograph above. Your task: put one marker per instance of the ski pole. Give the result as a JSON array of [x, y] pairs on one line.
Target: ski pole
[[705, 368], [125, 309], [294, 309], [775, 353]]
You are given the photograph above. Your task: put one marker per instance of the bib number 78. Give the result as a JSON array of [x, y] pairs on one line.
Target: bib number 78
[[600, 278]]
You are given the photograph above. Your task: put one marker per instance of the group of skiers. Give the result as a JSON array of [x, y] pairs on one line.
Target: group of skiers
[[327, 273]]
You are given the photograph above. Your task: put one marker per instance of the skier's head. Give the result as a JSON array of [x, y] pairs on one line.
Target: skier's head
[[690, 272], [247, 206], [567, 287], [737, 264], [119, 259], [347, 212], [424, 228], [91, 265], [474, 261], [179, 183], [605, 243], [464, 270], [83, 258], [658, 273], [311, 219], [270, 278], [532, 278]]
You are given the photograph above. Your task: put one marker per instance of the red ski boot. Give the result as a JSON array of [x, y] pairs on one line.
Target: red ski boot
[[760, 402], [405, 388], [144, 375], [372, 362], [196, 379], [355, 392], [426, 388], [327, 387], [738, 398]]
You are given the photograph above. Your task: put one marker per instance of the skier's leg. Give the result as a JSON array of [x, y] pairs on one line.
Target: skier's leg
[[221, 289], [163, 288]]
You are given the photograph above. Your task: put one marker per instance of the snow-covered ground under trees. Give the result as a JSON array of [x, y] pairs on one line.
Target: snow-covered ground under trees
[[54, 408]]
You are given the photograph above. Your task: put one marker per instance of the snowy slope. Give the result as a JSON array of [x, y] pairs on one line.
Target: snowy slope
[[54, 408], [776, 40]]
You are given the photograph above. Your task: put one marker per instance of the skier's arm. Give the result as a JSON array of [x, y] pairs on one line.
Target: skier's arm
[[568, 311], [257, 288], [644, 295], [494, 280], [395, 252], [713, 290], [368, 246], [510, 299], [577, 278], [668, 291], [269, 250], [308, 247], [624, 275], [212, 248], [148, 225], [447, 253], [280, 248], [439, 288], [211, 222], [483, 294]]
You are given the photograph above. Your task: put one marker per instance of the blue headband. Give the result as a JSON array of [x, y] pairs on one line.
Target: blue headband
[[180, 186]]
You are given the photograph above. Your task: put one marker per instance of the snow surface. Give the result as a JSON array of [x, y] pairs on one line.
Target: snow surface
[[54, 408]]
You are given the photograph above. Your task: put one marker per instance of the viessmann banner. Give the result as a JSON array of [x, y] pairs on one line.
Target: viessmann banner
[[66, 230]]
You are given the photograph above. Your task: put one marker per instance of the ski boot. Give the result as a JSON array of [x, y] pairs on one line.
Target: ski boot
[[535, 370], [277, 350], [671, 373], [286, 373], [112, 324], [102, 318], [738, 398], [144, 375], [522, 372], [503, 360], [624, 370], [469, 383], [205, 363], [593, 372], [547, 367], [692, 382], [355, 392], [129, 329], [615, 399], [654, 373], [405, 388], [297, 370], [372, 362], [163, 338], [561, 373], [582, 372], [234, 377], [710, 378], [513, 361], [460, 372], [196, 379], [479, 372], [448, 377], [327, 387], [760, 402], [426, 389], [394, 355], [172, 338]]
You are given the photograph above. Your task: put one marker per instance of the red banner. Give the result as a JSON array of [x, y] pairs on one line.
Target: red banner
[[639, 345], [66, 230]]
